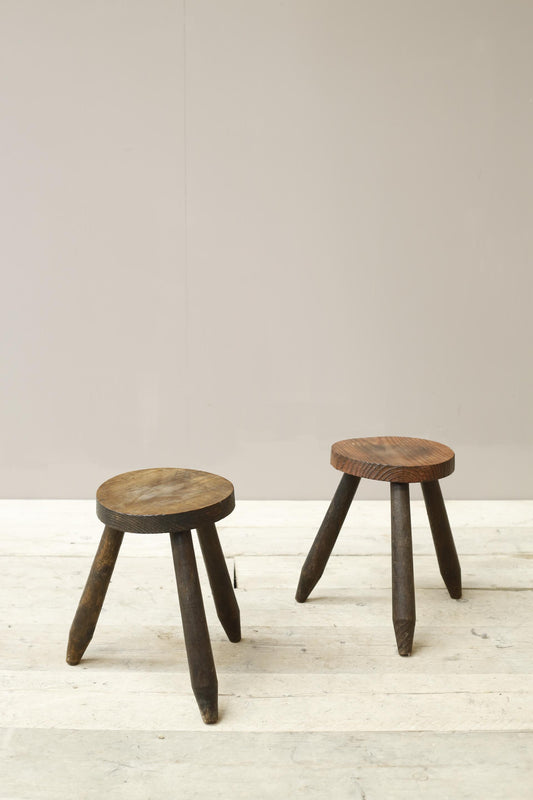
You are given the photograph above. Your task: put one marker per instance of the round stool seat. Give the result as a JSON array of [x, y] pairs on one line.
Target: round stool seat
[[163, 500], [397, 459]]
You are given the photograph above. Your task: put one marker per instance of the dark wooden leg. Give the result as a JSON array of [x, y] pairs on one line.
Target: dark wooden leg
[[320, 551], [449, 566], [220, 581], [92, 599], [198, 645], [403, 585]]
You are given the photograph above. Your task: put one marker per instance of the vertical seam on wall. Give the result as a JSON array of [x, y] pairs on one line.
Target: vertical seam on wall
[[186, 238]]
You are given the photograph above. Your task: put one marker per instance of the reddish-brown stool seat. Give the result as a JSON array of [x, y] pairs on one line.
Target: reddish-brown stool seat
[[393, 458]]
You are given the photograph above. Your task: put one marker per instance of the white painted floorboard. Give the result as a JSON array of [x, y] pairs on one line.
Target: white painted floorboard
[[315, 702]]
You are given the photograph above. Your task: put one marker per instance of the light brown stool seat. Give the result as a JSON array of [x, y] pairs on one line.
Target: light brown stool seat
[[163, 500], [167, 501], [400, 461]]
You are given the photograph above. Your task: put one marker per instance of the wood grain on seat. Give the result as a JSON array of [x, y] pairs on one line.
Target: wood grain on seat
[[397, 459], [163, 500]]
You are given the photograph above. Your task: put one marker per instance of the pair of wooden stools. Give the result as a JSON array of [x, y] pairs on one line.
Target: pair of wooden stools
[[178, 500]]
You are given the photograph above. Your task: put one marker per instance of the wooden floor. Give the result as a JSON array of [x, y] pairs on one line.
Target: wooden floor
[[315, 702]]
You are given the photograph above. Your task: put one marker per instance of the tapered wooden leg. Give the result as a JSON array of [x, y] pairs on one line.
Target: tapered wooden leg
[[449, 566], [320, 551], [403, 585], [197, 643], [92, 599], [220, 581]]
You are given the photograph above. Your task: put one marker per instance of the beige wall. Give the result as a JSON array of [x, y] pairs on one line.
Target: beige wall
[[235, 233]]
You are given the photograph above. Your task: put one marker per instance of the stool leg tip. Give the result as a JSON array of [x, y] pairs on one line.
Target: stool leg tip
[[405, 631], [232, 626], [454, 587], [303, 591], [74, 654], [208, 705]]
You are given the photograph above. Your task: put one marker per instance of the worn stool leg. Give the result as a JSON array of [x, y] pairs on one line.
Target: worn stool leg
[[197, 643], [320, 551], [449, 566], [92, 599], [403, 585], [220, 581]]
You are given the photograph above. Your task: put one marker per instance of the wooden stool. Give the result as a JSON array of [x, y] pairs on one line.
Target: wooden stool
[[162, 501], [399, 461]]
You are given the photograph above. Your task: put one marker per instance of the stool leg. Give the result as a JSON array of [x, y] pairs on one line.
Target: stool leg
[[320, 551], [92, 599], [449, 566], [403, 585], [197, 643], [220, 581]]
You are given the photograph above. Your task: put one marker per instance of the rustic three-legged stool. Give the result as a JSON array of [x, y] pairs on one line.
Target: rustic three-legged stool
[[162, 501], [400, 461]]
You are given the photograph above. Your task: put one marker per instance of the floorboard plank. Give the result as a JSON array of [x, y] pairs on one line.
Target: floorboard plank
[[280, 541], [133, 765], [324, 711], [329, 649], [131, 598], [478, 572]]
